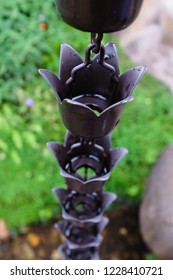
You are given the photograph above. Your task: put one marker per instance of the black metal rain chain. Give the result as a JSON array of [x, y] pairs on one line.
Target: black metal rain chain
[[91, 95]]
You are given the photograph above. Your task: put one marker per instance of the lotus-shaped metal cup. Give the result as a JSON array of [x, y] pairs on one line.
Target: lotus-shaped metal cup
[[91, 94], [86, 167], [90, 253], [99, 16], [83, 208], [82, 234]]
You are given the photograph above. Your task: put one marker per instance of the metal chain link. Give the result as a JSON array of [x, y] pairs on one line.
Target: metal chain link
[[96, 41]]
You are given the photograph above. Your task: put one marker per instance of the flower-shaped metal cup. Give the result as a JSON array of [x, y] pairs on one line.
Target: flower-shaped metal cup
[[91, 94], [82, 234], [90, 253], [83, 208], [86, 167]]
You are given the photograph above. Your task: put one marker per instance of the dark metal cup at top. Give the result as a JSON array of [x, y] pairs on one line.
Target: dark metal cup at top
[[99, 16]]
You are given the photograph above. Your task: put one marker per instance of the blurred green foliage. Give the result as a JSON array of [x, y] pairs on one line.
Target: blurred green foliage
[[25, 45], [145, 129], [27, 169]]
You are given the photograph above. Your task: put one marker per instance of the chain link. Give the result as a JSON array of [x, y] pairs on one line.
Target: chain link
[[96, 41]]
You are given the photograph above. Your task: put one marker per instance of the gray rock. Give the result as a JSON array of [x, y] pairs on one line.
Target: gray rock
[[149, 40], [167, 22], [156, 211]]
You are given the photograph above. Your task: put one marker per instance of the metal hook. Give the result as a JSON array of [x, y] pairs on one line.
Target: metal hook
[[88, 53], [90, 48]]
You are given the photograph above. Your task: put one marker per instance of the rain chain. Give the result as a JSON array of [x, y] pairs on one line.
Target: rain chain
[[91, 96]]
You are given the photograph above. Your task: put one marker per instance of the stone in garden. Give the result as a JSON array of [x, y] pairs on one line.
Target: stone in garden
[[149, 40], [56, 255], [22, 250], [28, 252], [167, 22], [4, 232], [149, 16], [156, 211], [33, 239]]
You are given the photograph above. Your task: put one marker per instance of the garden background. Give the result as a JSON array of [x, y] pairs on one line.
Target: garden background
[[31, 33]]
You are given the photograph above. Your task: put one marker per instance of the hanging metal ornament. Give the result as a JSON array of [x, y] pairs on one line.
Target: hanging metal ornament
[[91, 96], [82, 234], [86, 166], [83, 207]]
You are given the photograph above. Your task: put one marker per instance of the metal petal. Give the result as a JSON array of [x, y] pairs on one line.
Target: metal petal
[[59, 151], [102, 224], [61, 194], [108, 198], [115, 156], [69, 58], [128, 82], [82, 121], [54, 82], [84, 187]]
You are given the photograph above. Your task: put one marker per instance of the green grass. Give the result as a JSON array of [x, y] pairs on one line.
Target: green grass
[[28, 171], [25, 46]]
